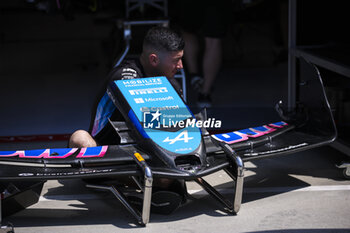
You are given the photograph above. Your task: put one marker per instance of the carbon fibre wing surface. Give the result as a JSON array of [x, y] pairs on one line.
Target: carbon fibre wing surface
[[60, 163]]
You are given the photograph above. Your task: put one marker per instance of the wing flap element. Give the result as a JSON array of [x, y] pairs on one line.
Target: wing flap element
[[308, 126], [69, 162]]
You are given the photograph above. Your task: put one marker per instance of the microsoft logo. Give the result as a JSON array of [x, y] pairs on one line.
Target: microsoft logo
[[139, 100]]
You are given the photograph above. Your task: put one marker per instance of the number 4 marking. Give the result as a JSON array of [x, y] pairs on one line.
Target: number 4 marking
[[181, 137]]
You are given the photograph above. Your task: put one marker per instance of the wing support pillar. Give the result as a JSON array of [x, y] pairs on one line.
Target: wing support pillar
[[236, 172], [144, 216]]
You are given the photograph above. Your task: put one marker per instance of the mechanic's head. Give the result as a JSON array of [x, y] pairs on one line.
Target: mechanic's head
[[162, 52]]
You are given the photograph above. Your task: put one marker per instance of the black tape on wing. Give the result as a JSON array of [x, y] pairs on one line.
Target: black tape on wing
[[18, 172]]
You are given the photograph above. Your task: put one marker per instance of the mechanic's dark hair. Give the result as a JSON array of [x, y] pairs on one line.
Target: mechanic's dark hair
[[163, 39]]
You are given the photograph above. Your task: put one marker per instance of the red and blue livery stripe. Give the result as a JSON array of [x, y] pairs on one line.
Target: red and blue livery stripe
[[245, 134], [57, 153]]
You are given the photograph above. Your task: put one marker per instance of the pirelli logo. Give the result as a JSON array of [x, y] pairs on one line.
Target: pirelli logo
[[148, 91]]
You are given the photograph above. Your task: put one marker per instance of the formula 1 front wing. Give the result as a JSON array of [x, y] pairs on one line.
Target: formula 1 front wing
[[309, 126]]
